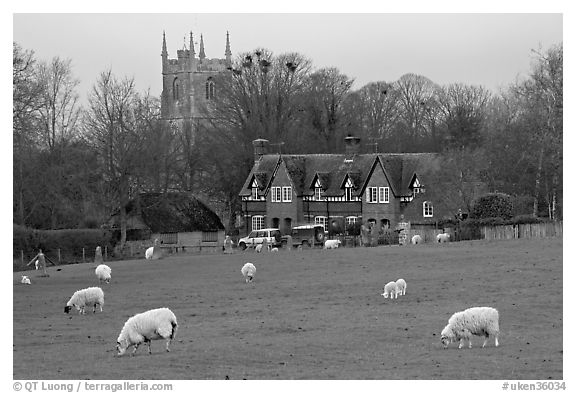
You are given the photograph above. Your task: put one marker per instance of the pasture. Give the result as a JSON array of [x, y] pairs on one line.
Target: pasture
[[314, 314]]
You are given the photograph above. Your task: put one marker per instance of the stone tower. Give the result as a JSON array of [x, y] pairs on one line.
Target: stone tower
[[187, 83]]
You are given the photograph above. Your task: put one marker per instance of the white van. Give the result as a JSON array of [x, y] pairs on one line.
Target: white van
[[272, 236]]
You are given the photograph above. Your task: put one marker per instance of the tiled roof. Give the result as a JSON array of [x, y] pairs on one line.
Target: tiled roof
[[333, 169]]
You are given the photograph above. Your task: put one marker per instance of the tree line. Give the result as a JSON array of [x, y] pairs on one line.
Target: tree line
[[73, 166]]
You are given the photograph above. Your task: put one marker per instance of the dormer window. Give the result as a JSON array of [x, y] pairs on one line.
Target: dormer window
[[417, 187], [318, 191], [254, 193], [348, 189]]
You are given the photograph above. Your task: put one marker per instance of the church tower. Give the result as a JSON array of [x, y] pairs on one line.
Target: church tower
[[187, 82]]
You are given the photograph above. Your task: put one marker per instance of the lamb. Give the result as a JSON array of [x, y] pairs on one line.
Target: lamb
[[390, 289], [85, 297], [443, 237], [159, 323], [332, 244], [401, 287], [104, 273], [478, 321], [248, 271], [258, 247], [25, 280], [416, 239]]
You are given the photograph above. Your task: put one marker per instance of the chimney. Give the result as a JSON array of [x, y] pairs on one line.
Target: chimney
[[260, 147], [352, 145]]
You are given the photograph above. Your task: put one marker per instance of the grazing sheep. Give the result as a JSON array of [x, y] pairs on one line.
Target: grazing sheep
[[401, 287], [85, 297], [332, 244], [156, 324], [258, 248], [25, 280], [390, 289], [416, 239], [478, 321], [104, 273], [274, 249], [443, 237], [248, 271]]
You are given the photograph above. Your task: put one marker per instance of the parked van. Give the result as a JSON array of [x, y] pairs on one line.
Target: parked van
[[272, 236], [306, 236]]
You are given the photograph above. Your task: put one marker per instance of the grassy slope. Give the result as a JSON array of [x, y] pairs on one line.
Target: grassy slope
[[309, 315]]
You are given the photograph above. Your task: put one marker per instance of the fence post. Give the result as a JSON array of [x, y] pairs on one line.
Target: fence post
[[22, 256], [59, 257], [83, 255], [106, 252]]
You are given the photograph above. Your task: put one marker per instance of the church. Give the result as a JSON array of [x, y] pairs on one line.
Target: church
[[187, 82]]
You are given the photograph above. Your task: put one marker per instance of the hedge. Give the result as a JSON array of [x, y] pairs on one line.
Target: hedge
[[70, 242]]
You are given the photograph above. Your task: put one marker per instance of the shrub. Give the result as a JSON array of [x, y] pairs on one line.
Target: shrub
[[495, 205]]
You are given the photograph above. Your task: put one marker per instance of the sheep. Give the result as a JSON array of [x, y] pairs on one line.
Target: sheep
[[274, 249], [258, 247], [25, 280], [104, 273], [390, 289], [416, 239], [248, 271], [443, 237], [478, 321], [332, 244], [159, 323], [149, 253], [85, 297], [401, 287]]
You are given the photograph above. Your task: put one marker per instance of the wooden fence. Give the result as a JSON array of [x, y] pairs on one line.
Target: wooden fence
[[506, 232]]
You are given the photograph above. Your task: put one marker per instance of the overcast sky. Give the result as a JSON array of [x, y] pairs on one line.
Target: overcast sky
[[481, 49]]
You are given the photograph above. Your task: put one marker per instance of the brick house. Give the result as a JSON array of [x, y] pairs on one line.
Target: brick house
[[338, 190]]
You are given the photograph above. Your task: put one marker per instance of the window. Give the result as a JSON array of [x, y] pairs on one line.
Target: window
[[257, 223], [318, 193], [372, 195], [348, 194], [428, 209], [286, 194], [276, 194], [176, 89], [384, 194], [210, 89], [209, 236], [254, 192], [351, 220], [321, 220]]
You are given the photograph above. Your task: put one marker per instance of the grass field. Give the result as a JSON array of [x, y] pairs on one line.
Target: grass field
[[315, 314]]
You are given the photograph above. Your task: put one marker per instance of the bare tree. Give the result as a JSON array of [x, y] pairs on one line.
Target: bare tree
[[327, 89], [111, 126], [415, 93]]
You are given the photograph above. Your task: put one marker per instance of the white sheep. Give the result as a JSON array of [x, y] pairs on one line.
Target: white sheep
[[92, 296], [401, 287], [156, 324], [416, 239], [103, 273], [478, 321], [25, 280], [332, 244], [248, 271], [258, 247], [274, 249], [443, 237], [390, 290]]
